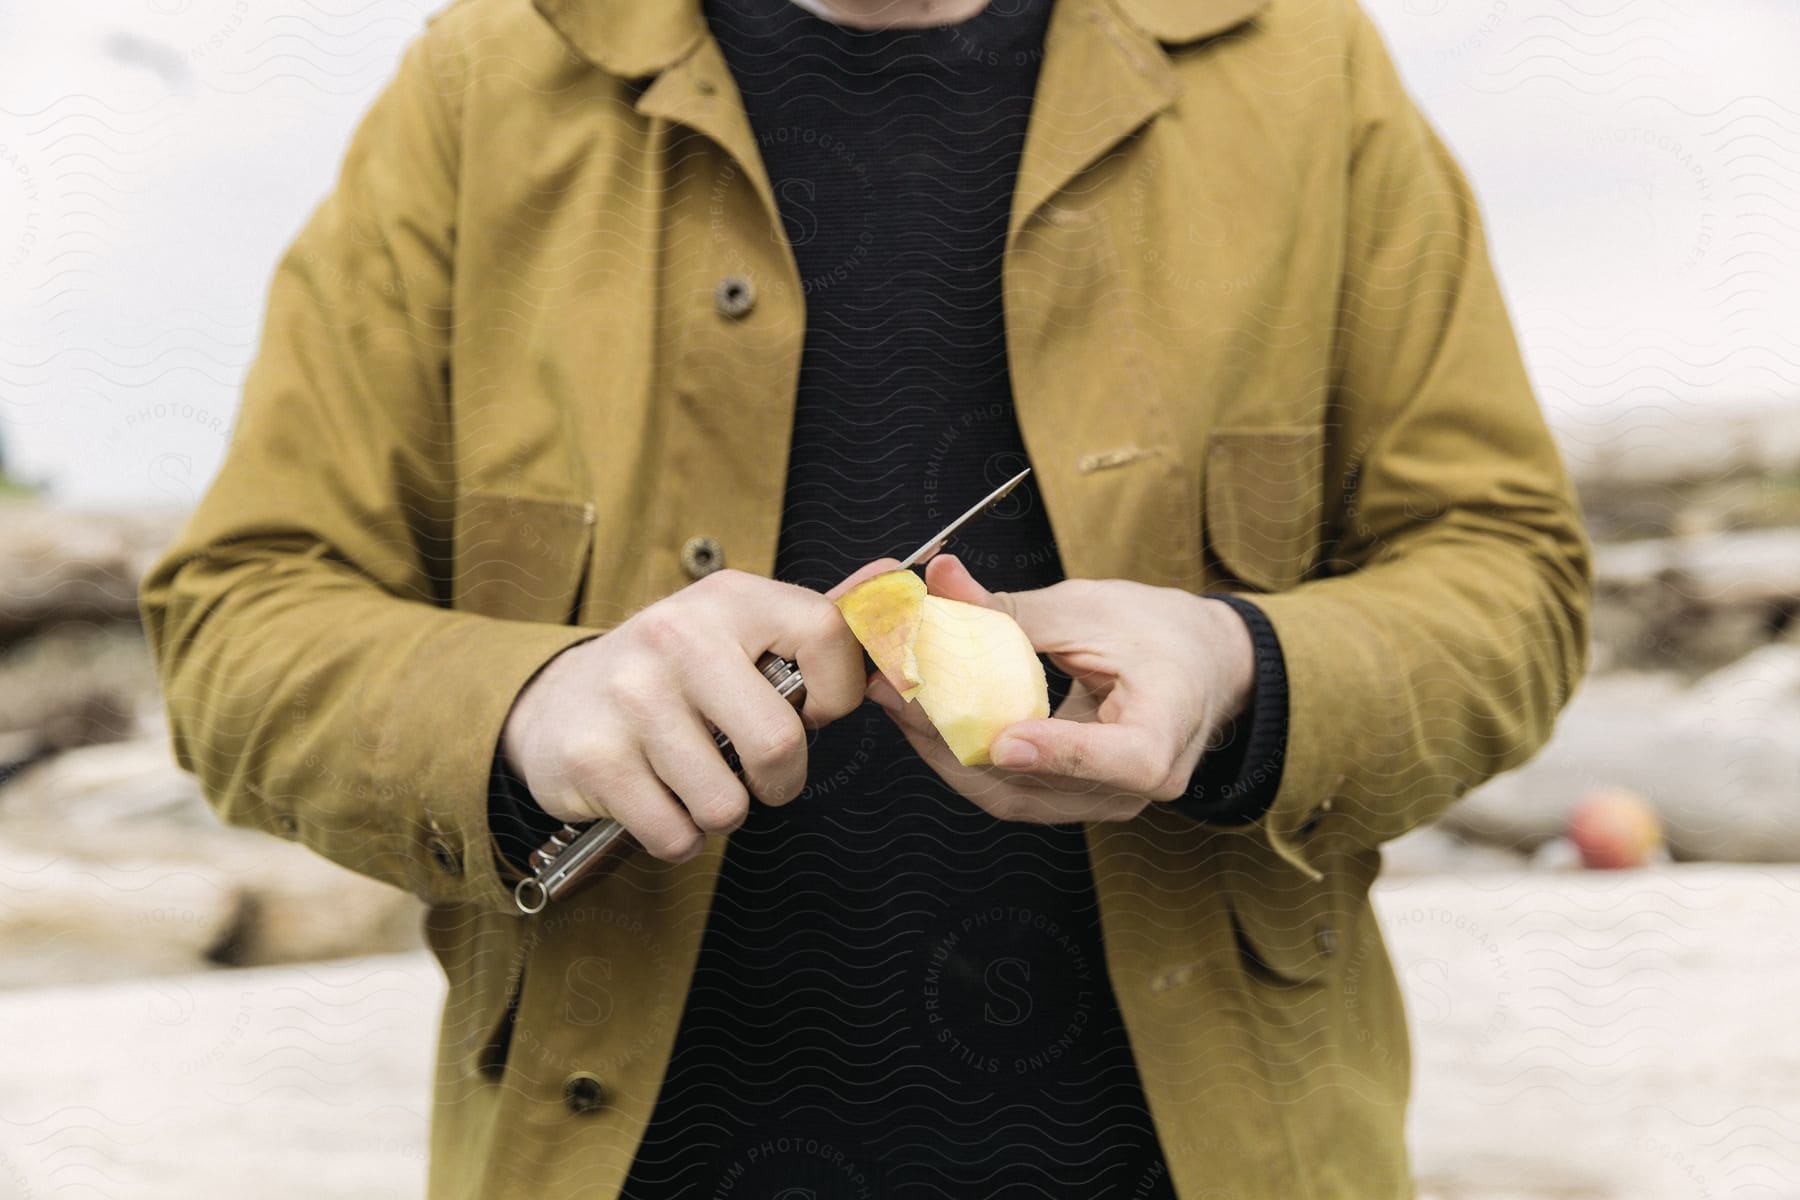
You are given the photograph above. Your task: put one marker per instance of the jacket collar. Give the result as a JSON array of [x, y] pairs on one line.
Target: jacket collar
[[1177, 22], [636, 38]]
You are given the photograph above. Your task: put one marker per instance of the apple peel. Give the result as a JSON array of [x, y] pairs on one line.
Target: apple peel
[[971, 669]]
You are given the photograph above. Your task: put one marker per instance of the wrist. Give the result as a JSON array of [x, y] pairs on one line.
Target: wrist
[[1233, 656]]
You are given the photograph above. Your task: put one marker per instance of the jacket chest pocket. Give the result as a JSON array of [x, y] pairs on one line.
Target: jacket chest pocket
[[1264, 504], [521, 559]]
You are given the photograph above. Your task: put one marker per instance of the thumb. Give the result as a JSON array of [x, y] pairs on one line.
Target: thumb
[[1047, 615], [946, 576]]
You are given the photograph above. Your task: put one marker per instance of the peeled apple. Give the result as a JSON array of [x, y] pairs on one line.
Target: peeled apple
[[972, 669]]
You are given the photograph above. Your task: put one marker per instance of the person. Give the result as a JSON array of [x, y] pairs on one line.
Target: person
[[633, 334]]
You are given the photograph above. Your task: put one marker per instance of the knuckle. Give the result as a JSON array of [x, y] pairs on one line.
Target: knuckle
[[637, 688], [723, 811], [1146, 775], [725, 581], [1007, 806], [775, 743], [601, 773], [1074, 759], [663, 629], [779, 792], [671, 844], [827, 626], [588, 757], [1149, 766], [828, 700], [1170, 787]]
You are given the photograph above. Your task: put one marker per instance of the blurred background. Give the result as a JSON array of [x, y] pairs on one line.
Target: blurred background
[[1601, 952]]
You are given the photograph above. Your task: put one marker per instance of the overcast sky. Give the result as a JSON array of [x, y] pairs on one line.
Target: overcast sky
[[1638, 162]]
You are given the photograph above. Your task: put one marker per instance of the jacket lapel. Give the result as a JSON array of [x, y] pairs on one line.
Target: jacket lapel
[[1102, 78]]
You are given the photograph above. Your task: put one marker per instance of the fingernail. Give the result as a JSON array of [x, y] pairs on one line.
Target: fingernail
[[1014, 754]]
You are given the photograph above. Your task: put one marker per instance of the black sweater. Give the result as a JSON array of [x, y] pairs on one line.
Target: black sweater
[[897, 994]]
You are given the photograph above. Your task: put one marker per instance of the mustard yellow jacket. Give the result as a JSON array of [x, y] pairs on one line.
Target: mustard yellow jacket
[[536, 356]]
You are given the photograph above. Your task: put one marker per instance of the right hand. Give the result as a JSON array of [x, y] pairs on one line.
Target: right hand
[[614, 726]]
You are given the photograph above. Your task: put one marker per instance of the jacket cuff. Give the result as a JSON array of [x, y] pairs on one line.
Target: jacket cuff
[[435, 740], [1236, 783], [516, 821]]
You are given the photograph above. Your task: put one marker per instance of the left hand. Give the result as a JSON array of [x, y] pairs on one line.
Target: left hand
[[1155, 673]]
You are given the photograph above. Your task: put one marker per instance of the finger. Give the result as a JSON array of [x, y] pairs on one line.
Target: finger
[[1046, 802], [805, 628], [797, 623], [632, 795], [687, 760], [946, 576], [830, 659], [880, 566], [1082, 703], [765, 731], [1126, 757], [1058, 619], [925, 741], [1048, 806], [908, 715]]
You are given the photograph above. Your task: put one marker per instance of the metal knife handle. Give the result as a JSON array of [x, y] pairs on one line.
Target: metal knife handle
[[576, 854]]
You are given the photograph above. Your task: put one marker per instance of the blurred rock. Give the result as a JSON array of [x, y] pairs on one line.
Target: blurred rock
[[60, 565], [111, 865], [103, 785], [1694, 603], [1690, 469], [1719, 760], [68, 918], [73, 685]]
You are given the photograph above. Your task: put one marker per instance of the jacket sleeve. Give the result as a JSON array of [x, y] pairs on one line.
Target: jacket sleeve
[[1448, 622], [316, 680]]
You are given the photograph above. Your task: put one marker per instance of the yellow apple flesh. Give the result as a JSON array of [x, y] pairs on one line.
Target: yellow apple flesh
[[884, 614], [971, 669]]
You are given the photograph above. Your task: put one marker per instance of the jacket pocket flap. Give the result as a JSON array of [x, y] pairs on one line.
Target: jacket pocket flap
[[1263, 496], [519, 558], [1280, 940], [1288, 927]]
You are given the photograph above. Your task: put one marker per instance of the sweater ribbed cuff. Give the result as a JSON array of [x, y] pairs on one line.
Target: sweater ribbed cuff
[[1236, 783]]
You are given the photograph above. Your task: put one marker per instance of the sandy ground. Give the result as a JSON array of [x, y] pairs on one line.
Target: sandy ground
[[1582, 1036]]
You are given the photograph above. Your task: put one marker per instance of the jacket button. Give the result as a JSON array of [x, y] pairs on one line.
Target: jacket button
[[701, 556], [734, 297], [444, 855], [1326, 939], [583, 1093], [288, 824]]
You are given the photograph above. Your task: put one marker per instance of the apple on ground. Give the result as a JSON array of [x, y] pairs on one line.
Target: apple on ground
[[1614, 828], [972, 669]]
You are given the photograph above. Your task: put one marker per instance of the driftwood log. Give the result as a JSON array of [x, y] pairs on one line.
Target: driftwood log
[[1696, 602], [112, 867], [1720, 760]]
